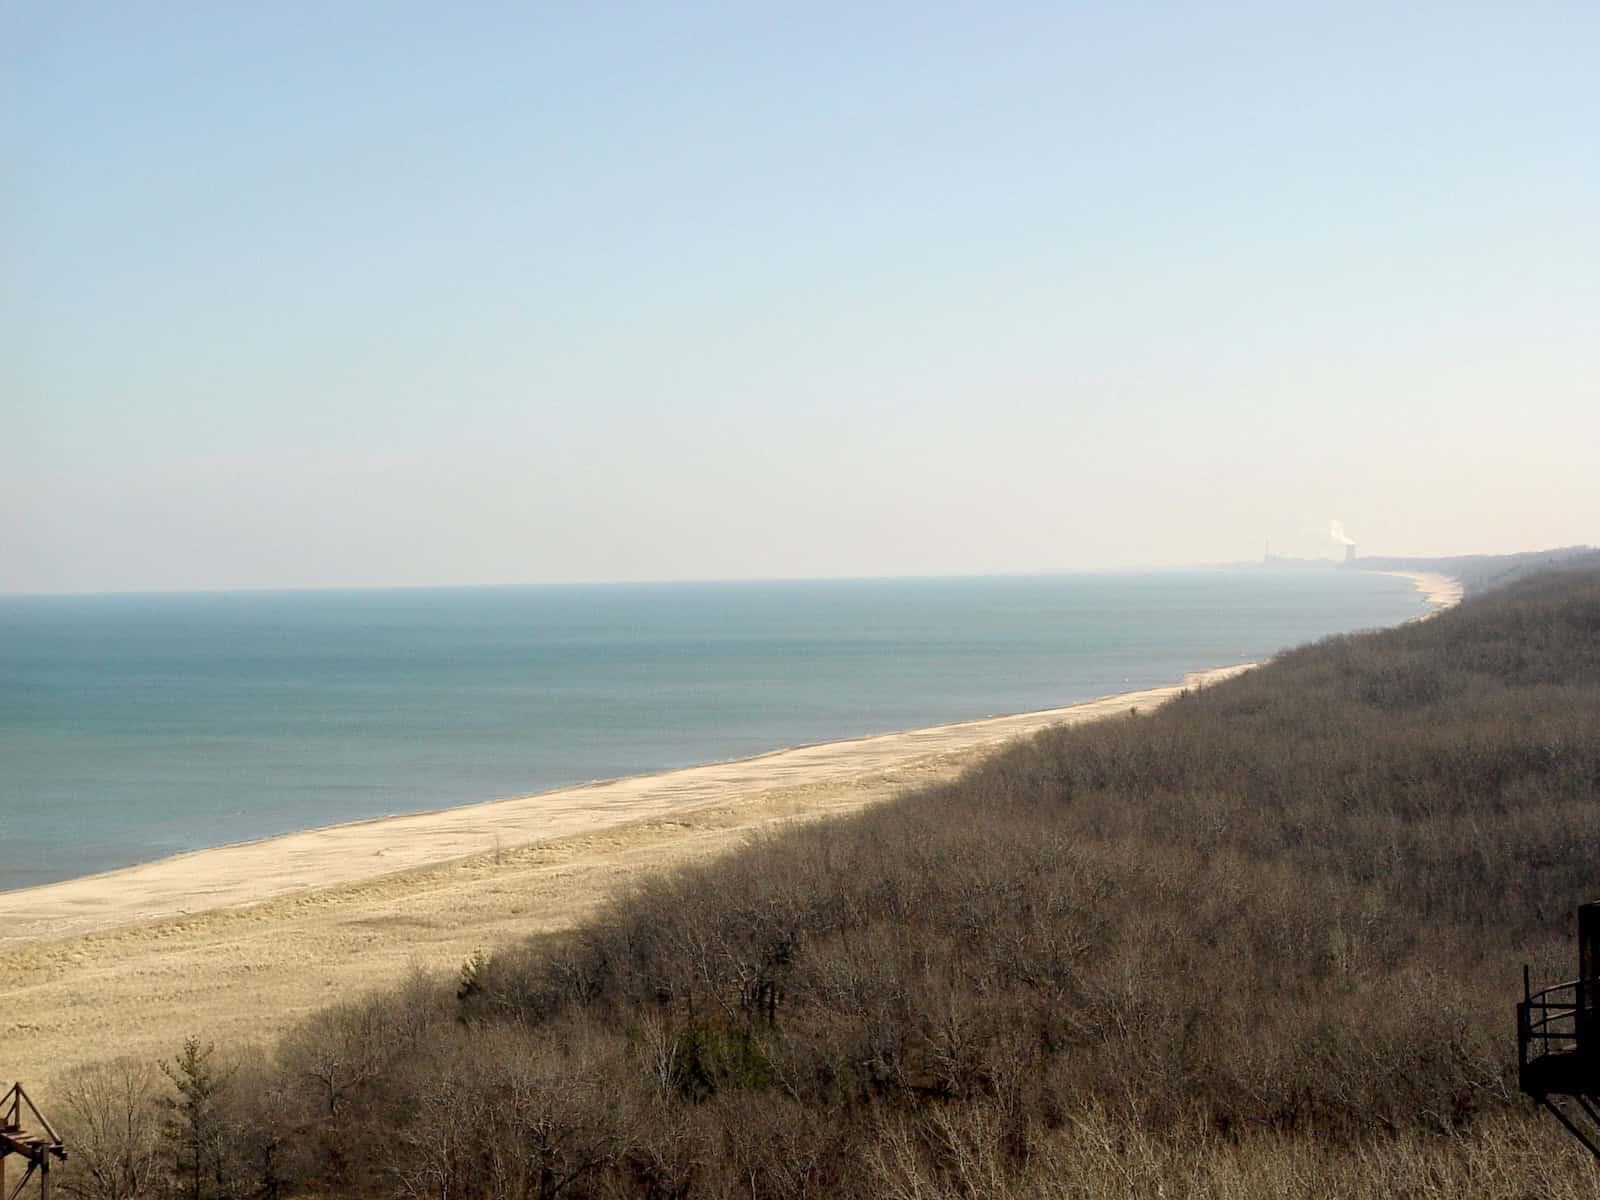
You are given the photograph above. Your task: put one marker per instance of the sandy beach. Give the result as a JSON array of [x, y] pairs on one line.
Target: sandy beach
[[1438, 591], [237, 943]]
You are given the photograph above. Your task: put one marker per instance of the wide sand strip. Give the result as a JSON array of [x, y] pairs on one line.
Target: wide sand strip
[[238, 943], [337, 855]]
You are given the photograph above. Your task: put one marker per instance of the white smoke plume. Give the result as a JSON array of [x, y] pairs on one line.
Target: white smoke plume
[[1337, 533]]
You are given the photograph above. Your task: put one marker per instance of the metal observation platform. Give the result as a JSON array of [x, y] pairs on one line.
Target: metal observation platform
[[1558, 1039]]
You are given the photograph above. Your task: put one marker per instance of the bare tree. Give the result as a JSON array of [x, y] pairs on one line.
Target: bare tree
[[114, 1130]]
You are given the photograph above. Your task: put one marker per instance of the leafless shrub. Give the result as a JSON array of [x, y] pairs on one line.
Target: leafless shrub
[[113, 1125], [1263, 942]]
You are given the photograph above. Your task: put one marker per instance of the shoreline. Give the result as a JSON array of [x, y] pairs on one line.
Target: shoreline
[[238, 944], [1201, 677], [1438, 591], [240, 874], [248, 873]]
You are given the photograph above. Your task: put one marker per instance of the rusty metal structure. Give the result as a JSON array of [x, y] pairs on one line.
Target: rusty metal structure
[[25, 1133], [1558, 1039]]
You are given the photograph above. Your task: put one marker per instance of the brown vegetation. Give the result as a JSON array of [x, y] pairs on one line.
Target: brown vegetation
[[1262, 942]]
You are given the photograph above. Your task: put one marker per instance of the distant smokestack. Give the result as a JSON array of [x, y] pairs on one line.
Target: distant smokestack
[[1339, 537]]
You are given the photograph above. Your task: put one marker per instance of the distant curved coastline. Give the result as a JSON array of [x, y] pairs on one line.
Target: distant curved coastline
[[248, 873]]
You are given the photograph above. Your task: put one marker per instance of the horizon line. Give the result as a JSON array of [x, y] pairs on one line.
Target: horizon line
[[224, 590]]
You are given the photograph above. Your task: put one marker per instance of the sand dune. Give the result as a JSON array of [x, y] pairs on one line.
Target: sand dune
[[239, 942]]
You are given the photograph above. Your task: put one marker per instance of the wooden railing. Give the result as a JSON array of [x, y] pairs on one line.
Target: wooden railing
[[25, 1133]]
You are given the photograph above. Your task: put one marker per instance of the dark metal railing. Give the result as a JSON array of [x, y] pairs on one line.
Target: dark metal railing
[[1555, 1053], [1547, 1020], [1558, 1039]]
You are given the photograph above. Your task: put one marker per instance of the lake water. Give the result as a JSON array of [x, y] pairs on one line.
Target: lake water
[[136, 726]]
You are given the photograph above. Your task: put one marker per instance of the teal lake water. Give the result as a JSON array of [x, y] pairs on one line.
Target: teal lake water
[[132, 727]]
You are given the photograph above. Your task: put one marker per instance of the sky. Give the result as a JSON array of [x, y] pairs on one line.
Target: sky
[[376, 294]]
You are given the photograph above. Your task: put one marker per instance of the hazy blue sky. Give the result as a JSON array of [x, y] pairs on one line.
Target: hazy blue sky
[[386, 293]]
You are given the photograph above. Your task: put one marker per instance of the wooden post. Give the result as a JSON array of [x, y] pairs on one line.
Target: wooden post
[[35, 1143]]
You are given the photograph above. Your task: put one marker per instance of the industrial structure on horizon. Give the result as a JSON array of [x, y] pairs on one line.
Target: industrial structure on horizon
[[1268, 556]]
